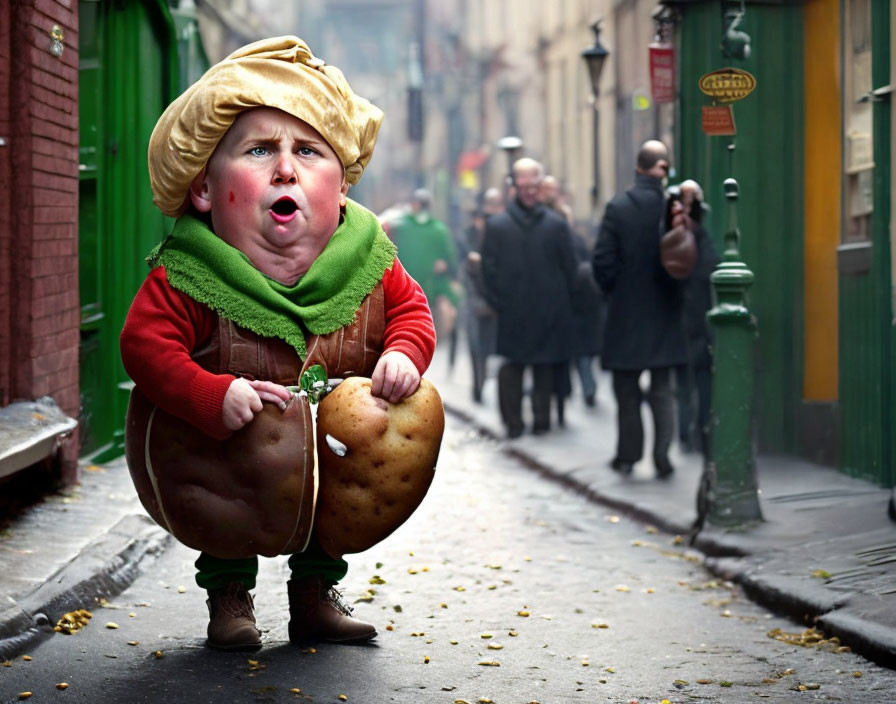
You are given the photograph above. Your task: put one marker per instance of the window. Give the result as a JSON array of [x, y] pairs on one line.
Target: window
[[858, 145]]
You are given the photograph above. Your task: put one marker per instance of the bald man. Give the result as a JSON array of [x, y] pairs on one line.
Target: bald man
[[644, 329], [529, 268]]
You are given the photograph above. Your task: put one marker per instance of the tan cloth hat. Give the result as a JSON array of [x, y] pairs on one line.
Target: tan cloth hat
[[280, 73]]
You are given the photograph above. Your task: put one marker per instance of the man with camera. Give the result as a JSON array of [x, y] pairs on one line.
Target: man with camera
[[641, 262]]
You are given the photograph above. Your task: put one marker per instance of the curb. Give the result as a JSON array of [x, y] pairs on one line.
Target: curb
[[105, 567]]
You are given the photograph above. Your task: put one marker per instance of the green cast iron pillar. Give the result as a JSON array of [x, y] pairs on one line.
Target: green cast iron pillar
[[733, 498]]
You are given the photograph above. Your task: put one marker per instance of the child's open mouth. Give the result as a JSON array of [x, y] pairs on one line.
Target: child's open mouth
[[284, 209]]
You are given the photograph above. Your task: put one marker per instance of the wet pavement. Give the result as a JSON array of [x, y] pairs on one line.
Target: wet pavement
[[825, 553]]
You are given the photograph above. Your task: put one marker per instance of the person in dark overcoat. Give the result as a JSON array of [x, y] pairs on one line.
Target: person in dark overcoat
[[586, 311], [529, 270], [694, 381], [644, 328], [479, 316]]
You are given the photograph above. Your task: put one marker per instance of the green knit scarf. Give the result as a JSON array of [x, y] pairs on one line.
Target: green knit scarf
[[210, 271]]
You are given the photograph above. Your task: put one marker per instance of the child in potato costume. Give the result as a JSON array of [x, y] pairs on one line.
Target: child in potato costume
[[269, 269]]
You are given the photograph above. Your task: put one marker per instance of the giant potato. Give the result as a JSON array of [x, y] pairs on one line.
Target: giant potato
[[376, 461]]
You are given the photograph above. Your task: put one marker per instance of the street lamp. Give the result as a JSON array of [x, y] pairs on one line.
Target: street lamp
[[595, 58], [510, 145]]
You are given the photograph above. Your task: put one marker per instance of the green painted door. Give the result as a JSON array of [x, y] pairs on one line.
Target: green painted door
[[768, 164], [128, 74]]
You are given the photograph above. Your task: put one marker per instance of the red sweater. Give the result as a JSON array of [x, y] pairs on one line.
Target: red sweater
[[164, 327]]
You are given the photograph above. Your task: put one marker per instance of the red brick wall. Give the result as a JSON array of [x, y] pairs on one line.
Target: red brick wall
[[5, 217], [42, 300]]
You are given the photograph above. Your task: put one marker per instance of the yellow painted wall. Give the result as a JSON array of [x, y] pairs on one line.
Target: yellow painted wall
[[823, 169]]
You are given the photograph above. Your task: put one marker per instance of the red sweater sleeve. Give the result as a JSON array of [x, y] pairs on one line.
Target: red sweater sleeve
[[409, 326], [163, 327]]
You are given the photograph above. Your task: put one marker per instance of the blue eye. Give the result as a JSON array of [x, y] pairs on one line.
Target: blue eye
[[259, 151], [306, 151]]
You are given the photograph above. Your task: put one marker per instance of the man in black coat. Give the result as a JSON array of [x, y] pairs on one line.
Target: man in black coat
[[644, 328], [529, 269]]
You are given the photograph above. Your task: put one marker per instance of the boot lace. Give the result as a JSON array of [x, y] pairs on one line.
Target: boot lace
[[334, 597], [235, 600]]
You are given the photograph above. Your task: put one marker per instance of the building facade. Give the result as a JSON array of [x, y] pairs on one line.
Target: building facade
[[39, 310], [814, 161]]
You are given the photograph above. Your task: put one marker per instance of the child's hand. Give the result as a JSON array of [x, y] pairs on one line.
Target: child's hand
[[244, 399], [395, 377]]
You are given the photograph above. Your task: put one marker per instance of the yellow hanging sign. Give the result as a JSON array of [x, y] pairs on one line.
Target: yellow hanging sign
[[727, 85]]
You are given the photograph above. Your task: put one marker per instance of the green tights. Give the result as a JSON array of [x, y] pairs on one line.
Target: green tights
[[216, 572]]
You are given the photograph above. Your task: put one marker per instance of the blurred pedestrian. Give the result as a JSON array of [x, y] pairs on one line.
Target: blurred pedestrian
[[528, 267], [552, 195], [694, 380], [645, 303], [480, 321], [427, 250], [587, 306]]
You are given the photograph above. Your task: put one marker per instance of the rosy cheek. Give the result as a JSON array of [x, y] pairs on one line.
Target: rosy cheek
[[232, 197]]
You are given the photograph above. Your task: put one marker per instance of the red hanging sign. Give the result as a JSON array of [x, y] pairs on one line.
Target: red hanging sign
[[662, 72], [718, 120]]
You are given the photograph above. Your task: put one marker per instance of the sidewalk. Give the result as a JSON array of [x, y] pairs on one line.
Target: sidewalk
[[62, 554], [824, 555]]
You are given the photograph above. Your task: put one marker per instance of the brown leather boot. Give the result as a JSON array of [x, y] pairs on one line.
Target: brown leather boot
[[316, 612], [231, 623]]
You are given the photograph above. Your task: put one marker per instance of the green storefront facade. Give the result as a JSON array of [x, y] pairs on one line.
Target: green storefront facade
[[135, 58], [813, 132]]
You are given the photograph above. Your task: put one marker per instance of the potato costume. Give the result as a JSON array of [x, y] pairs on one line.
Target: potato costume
[[256, 493]]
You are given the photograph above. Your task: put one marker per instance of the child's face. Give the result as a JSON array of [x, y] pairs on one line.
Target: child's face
[[273, 187]]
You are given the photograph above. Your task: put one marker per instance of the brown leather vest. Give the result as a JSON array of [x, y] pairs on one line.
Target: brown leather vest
[[253, 493], [349, 351]]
